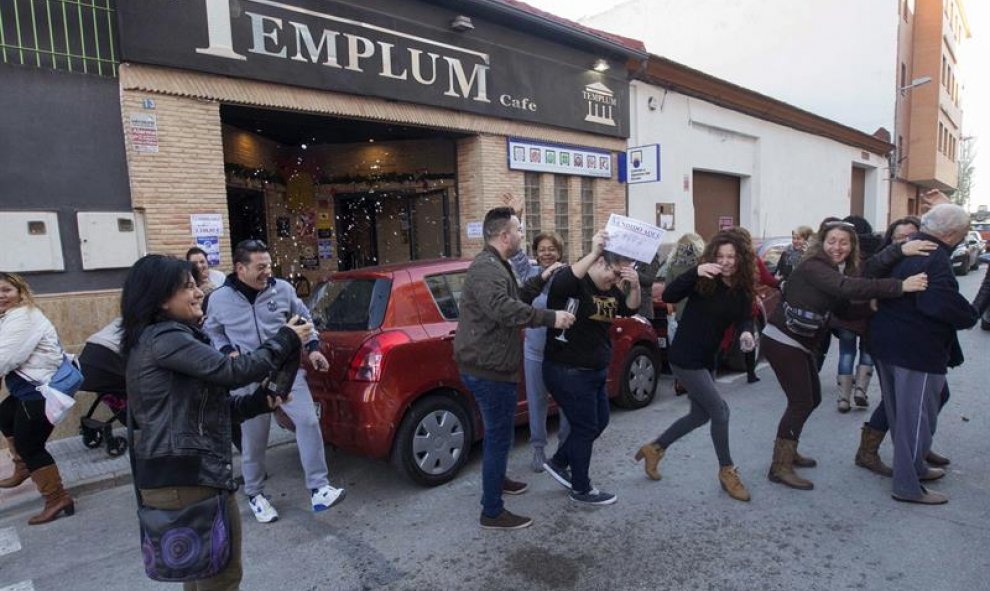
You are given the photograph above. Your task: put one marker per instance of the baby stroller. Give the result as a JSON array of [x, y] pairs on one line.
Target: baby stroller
[[103, 371]]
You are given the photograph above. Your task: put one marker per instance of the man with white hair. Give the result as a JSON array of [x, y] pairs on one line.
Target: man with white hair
[[913, 338]]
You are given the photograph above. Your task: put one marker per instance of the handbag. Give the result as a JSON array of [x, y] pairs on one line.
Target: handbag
[[804, 323], [186, 544], [59, 391]]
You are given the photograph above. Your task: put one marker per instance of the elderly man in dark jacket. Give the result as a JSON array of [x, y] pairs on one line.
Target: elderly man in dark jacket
[[913, 338], [488, 351]]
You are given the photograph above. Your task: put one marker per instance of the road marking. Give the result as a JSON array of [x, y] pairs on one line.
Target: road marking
[[22, 586], [9, 542]]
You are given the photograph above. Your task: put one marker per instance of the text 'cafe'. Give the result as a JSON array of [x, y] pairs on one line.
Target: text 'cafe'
[[348, 134]]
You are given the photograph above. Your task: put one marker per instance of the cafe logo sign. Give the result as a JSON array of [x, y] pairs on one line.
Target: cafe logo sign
[[601, 104], [362, 47]]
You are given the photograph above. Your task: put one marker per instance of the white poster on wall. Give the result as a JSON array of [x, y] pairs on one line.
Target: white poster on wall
[[144, 133], [643, 164], [206, 224], [475, 230], [633, 238], [559, 159]]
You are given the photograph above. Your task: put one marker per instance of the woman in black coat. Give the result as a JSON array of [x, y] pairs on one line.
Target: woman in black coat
[[178, 393]]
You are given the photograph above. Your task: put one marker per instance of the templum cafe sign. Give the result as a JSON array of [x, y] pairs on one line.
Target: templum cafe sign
[[395, 49]]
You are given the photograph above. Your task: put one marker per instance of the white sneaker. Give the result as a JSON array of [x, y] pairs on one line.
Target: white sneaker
[[262, 509], [326, 497]]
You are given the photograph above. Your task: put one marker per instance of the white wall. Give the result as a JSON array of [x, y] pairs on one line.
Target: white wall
[[835, 58], [789, 177]]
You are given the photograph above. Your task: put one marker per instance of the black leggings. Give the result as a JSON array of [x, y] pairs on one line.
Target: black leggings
[[797, 373], [25, 421]]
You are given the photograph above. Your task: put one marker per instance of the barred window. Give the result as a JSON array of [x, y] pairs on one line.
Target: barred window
[[71, 35], [531, 187], [560, 202], [587, 213]]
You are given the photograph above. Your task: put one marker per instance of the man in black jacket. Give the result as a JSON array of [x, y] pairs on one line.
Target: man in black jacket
[[488, 350], [912, 339]]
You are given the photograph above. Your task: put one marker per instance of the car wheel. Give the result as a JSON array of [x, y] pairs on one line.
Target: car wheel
[[639, 378], [964, 268], [433, 440]]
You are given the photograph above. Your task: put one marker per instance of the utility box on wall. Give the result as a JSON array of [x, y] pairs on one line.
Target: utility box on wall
[[30, 241], [109, 240]]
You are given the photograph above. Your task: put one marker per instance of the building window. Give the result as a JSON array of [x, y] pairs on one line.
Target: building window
[[560, 203], [903, 75], [587, 213], [941, 137], [944, 70], [905, 10], [900, 155], [531, 188], [72, 35]]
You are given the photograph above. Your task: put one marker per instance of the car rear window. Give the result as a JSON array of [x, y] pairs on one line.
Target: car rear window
[[446, 290], [350, 304]]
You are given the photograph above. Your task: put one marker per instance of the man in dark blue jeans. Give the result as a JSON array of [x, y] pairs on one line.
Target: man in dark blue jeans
[[488, 350], [605, 286]]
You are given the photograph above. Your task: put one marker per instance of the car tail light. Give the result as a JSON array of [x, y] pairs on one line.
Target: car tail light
[[367, 363]]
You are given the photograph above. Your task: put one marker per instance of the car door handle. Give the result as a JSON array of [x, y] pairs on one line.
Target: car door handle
[[450, 336]]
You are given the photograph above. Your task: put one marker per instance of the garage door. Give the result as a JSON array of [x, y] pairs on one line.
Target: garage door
[[716, 202]]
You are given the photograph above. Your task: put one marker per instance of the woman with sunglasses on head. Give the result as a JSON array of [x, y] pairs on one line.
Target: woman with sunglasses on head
[[178, 389], [719, 293], [823, 283], [30, 354]]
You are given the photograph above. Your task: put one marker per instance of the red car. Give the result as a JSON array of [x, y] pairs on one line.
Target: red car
[[394, 391]]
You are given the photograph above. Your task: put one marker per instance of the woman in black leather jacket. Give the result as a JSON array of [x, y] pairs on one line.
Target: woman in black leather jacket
[[178, 393]]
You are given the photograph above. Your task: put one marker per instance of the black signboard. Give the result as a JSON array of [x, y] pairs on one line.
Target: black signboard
[[396, 49]]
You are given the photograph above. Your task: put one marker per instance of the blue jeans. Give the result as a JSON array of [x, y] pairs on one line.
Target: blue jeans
[[847, 351], [581, 394], [536, 399], [497, 403]]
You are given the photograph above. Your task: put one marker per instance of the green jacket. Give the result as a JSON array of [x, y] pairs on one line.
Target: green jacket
[[493, 309]]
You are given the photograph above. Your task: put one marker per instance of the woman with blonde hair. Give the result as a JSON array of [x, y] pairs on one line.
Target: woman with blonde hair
[[30, 354]]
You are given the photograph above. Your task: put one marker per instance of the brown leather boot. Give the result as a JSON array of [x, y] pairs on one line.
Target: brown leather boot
[[937, 459], [21, 472], [782, 468], [845, 392], [803, 461], [57, 500], [728, 477], [868, 456], [864, 373], [652, 453]]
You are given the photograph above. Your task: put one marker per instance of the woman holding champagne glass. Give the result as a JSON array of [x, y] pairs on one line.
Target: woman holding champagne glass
[[600, 287]]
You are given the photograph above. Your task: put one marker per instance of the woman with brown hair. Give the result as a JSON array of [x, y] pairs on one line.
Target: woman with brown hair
[[719, 293], [30, 354], [822, 284]]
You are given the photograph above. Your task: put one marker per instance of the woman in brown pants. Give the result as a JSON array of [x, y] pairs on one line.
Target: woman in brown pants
[[822, 284]]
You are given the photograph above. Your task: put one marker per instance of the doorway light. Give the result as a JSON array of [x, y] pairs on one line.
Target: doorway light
[[600, 65]]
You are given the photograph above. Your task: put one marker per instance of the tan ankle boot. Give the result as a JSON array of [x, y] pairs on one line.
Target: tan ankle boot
[[782, 468], [728, 477], [21, 472], [652, 453], [803, 461], [864, 373], [57, 500], [868, 455], [845, 392]]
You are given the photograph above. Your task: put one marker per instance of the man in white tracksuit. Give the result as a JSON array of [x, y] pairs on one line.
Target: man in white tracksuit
[[247, 310]]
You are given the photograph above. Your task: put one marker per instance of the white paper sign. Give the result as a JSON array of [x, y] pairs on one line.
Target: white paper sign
[[474, 230], [559, 159], [632, 238], [144, 133], [206, 224]]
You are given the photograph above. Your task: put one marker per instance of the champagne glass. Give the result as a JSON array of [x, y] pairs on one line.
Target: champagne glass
[[572, 307]]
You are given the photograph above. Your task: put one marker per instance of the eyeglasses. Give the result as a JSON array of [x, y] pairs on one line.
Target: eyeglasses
[[252, 245]]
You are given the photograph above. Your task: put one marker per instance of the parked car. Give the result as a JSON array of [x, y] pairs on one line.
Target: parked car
[[393, 390], [983, 228], [966, 256], [771, 249]]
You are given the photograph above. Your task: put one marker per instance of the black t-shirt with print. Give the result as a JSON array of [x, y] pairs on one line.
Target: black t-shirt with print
[[588, 344]]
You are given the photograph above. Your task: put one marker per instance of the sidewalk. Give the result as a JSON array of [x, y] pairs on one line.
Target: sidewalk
[[87, 470]]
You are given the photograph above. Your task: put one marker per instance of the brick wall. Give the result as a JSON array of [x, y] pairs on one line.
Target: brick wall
[[184, 177]]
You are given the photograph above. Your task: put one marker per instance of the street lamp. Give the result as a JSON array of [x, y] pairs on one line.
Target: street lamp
[[915, 83]]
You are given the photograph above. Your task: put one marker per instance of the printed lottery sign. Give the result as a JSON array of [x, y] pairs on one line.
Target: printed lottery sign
[[632, 238]]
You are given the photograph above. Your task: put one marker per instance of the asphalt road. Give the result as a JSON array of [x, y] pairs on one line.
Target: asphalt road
[[680, 533]]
